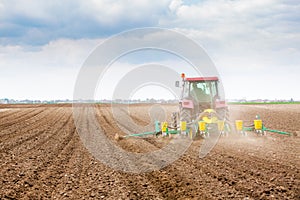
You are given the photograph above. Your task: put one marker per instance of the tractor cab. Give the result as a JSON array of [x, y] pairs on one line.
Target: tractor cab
[[199, 94], [201, 90]]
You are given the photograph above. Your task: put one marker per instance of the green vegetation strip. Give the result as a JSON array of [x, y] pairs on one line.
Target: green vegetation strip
[[262, 103]]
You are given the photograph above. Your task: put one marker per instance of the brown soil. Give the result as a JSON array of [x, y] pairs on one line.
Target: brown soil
[[42, 157]]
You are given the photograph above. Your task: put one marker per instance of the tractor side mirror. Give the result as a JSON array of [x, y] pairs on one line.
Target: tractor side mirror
[[176, 83]]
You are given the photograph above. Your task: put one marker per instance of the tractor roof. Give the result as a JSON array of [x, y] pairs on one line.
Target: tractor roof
[[196, 79]]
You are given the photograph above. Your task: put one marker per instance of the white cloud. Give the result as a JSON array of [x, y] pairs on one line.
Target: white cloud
[[175, 4], [245, 38], [56, 54], [38, 22], [112, 12], [250, 41], [47, 72]]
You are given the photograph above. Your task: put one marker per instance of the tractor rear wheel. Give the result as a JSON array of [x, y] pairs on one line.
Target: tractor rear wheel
[[174, 122], [223, 114], [185, 115]]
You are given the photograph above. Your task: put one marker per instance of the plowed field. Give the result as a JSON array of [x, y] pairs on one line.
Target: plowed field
[[42, 157]]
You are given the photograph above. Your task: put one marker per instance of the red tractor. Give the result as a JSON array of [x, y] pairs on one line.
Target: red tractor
[[200, 97]]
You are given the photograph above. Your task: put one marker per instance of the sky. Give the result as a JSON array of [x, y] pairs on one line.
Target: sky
[[254, 44]]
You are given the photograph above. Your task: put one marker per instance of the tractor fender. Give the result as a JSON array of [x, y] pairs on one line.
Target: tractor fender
[[220, 104], [187, 104]]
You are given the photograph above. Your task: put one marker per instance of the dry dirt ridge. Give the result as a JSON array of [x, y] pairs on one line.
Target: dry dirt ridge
[[42, 157]]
